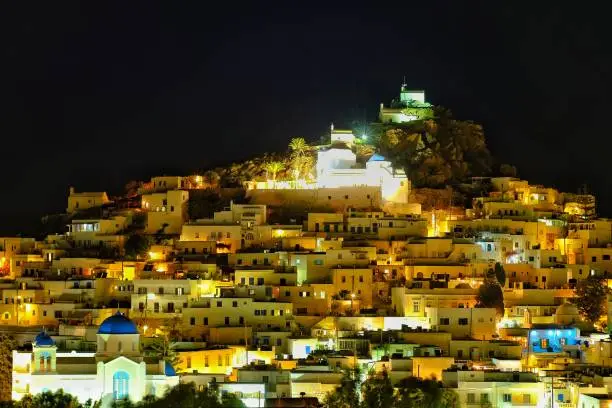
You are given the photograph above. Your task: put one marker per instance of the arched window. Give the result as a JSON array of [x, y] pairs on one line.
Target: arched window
[[45, 361], [121, 385]]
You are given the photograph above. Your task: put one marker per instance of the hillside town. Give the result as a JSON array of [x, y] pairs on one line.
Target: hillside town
[[331, 266]]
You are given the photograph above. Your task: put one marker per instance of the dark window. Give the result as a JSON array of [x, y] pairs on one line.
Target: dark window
[[463, 321], [192, 321]]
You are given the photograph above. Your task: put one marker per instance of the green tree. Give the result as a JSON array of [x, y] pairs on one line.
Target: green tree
[[302, 161], [7, 344], [298, 146], [136, 245], [347, 395], [591, 298], [491, 295], [377, 392], [211, 178], [48, 399], [185, 395], [203, 203], [414, 392], [273, 168], [500, 274]]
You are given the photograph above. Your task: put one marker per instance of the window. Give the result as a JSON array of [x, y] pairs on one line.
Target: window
[[444, 321], [484, 398], [361, 278], [415, 307], [188, 362], [463, 321], [531, 258], [471, 398], [192, 321], [459, 354], [593, 259], [206, 321], [219, 360], [507, 397], [121, 381], [205, 361], [241, 320], [227, 320], [219, 303], [526, 399], [235, 303], [318, 262], [343, 279], [606, 257]]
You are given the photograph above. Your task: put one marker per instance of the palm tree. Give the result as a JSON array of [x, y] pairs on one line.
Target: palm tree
[[273, 168], [298, 146], [300, 157]]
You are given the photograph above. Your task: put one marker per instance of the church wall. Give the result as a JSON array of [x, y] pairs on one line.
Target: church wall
[[335, 198], [83, 387]]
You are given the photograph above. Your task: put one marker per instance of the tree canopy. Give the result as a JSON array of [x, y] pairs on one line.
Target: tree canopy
[[136, 245], [591, 297], [500, 274], [7, 344], [48, 399], [490, 294], [186, 395], [377, 391]]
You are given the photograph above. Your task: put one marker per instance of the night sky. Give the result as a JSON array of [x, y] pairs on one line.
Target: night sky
[[95, 97]]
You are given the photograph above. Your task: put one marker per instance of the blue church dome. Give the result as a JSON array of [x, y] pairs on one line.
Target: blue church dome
[[376, 157], [42, 339], [117, 324], [169, 370]]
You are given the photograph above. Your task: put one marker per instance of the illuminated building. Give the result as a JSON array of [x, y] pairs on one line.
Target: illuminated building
[[116, 371]]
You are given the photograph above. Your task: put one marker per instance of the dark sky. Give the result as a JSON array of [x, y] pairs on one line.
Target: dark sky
[[96, 96]]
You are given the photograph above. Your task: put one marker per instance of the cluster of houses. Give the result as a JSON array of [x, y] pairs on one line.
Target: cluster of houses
[[279, 312]]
